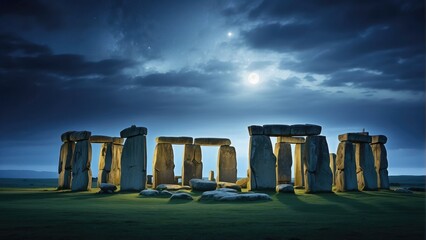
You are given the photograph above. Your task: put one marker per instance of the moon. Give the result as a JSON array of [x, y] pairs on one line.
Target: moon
[[229, 34], [253, 78]]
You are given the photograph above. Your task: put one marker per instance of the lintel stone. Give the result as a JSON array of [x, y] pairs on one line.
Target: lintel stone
[[65, 137], [379, 139], [255, 130], [133, 131], [293, 140], [79, 136], [100, 139], [305, 130], [276, 130], [355, 138], [117, 140], [174, 140], [212, 141]]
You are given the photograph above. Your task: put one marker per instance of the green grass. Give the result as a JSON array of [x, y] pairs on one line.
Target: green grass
[[43, 213]]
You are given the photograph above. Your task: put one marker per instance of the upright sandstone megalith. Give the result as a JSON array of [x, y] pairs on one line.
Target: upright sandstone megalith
[[262, 161], [226, 164], [318, 176], [65, 161], [284, 163], [105, 157], [380, 160], [163, 165], [133, 159], [366, 172], [192, 166], [333, 166], [346, 179], [81, 173], [299, 167], [117, 150]]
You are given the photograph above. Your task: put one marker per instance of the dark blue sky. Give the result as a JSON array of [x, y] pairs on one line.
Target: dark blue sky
[[182, 67]]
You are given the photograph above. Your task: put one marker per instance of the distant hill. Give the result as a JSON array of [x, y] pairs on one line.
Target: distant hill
[[27, 174]]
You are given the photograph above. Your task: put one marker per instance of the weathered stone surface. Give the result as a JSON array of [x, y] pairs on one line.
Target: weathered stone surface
[[384, 179], [163, 164], [174, 140], [65, 165], [229, 185], [202, 185], [284, 158], [293, 140], [149, 193], [107, 187], [133, 131], [284, 188], [346, 178], [115, 173], [171, 187], [192, 166], [333, 167], [100, 139], [262, 163], [242, 182], [318, 177], [255, 130], [355, 138], [66, 136], [81, 173], [211, 176], [133, 164], [219, 195], [165, 194], [402, 190], [305, 130], [366, 173], [118, 140], [276, 130], [227, 164], [182, 196], [380, 164], [80, 136], [105, 163], [299, 168], [379, 139], [212, 141]]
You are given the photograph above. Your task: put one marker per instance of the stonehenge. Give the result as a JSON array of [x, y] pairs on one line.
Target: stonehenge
[[65, 161], [133, 159], [81, 173]]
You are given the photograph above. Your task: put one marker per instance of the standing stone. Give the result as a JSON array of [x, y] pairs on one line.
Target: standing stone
[[346, 179], [366, 173], [81, 173], [333, 167], [299, 168], [65, 162], [164, 165], [227, 164], [117, 150], [133, 159], [318, 176], [192, 166], [105, 163], [262, 163], [380, 161], [211, 176], [284, 162]]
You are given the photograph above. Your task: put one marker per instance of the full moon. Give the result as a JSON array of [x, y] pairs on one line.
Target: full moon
[[253, 78], [229, 34]]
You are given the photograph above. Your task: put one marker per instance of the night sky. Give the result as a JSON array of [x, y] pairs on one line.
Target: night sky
[[181, 68]]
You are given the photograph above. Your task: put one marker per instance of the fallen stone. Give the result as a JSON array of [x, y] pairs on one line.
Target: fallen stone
[[65, 163], [255, 130], [149, 193], [80, 136], [402, 190], [133, 131], [283, 155], [355, 138], [293, 140], [227, 164], [171, 187], [165, 193], [219, 195], [192, 166], [100, 139], [299, 168], [163, 164], [212, 141], [318, 177], [118, 140], [366, 173], [108, 187], [211, 176], [284, 188], [182, 196], [66, 136], [202, 185], [276, 130], [379, 139], [133, 164], [333, 167], [229, 185], [242, 182], [262, 163], [305, 130], [81, 173], [231, 190], [175, 140], [346, 174]]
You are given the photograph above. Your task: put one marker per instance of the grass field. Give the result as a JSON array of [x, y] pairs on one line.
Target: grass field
[[39, 212]]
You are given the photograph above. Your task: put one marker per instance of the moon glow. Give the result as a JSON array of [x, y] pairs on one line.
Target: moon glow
[[253, 78]]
